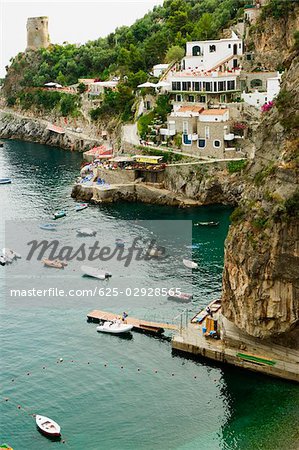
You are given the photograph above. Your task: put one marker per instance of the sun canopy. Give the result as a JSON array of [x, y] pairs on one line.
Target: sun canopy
[[147, 84], [51, 84], [163, 84]]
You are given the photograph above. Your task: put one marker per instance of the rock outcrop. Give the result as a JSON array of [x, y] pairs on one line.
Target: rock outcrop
[[261, 276], [16, 126]]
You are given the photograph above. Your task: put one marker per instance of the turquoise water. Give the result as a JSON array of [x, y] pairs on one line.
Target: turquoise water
[[110, 392]]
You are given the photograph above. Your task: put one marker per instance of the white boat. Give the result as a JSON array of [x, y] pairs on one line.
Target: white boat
[[47, 426], [190, 264], [95, 273], [10, 255], [81, 206], [5, 180], [48, 226], [182, 297], [114, 327], [86, 232]]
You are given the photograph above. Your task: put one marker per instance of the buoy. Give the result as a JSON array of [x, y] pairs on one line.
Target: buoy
[[194, 376], [12, 380], [43, 367], [105, 365], [28, 373], [88, 362], [156, 371], [6, 399], [61, 360], [172, 374], [19, 406], [138, 369], [121, 367]]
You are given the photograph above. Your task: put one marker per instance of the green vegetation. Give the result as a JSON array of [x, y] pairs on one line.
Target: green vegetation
[[168, 157], [144, 123], [237, 215], [296, 38], [236, 166], [292, 206], [157, 115], [129, 52], [278, 8], [115, 103], [263, 174], [64, 104], [289, 116]]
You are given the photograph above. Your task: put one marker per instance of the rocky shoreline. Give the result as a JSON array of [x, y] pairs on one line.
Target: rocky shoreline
[[32, 129]]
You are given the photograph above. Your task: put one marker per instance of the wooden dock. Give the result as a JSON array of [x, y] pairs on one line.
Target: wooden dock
[[144, 326]]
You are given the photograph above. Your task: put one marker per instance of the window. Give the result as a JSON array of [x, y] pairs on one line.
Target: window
[[186, 86], [255, 83], [202, 99], [207, 86], [221, 86], [178, 98], [196, 51], [176, 85], [201, 143], [235, 63], [207, 132], [212, 48], [195, 86], [190, 98], [185, 127], [240, 45], [186, 140], [229, 46], [215, 86], [217, 143], [231, 85]]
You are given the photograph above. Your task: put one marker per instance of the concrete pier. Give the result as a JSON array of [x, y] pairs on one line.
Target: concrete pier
[[234, 347]]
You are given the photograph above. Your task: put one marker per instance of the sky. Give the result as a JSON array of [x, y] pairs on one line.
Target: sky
[[70, 20]]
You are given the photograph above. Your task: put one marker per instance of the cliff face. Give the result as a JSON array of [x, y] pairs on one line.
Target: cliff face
[[261, 275], [271, 39]]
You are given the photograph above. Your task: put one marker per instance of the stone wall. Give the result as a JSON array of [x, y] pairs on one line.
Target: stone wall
[[37, 33]]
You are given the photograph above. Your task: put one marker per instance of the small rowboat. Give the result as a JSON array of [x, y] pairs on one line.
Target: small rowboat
[[47, 426], [59, 214], [119, 243], [48, 226], [5, 446], [206, 224], [114, 327], [81, 206], [54, 263], [86, 232], [190, 264], [95, 273], [181, 297], [5, 180]]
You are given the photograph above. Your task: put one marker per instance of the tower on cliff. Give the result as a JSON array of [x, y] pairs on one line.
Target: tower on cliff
[[37, 33]]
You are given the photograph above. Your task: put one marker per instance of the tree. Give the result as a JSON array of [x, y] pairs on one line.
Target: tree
[[81, 88], [174, 53]]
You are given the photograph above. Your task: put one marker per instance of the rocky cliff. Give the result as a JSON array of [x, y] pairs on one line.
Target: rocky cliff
[[261, 273]]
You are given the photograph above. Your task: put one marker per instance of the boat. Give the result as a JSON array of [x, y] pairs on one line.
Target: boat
[[48, 226], [59, 214], [154, 252], [54, 263], [95, 273], [81, 206], [47, 426], [182, 297], [5, 180], [5, 446], [190, 264], [119, 243], [10, 255], [114, 327], [86, 232], [206, 224], [1, 145]]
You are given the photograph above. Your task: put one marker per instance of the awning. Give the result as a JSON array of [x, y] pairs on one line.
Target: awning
[[55, 129], [147, 84]]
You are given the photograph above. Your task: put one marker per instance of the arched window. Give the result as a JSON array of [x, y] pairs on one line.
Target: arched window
[[256, 83], [217, 143], [212, 48], [196, 51]]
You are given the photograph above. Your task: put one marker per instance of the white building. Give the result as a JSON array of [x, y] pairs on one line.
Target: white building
[[98, 87], [159, 69], [209, 55], [258, 99]]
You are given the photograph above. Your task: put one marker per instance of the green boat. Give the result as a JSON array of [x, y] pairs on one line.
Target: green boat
[[59, 214], [256, 359]]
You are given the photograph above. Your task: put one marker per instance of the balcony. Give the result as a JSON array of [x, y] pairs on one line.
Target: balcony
[[167, 132], [229, 137]]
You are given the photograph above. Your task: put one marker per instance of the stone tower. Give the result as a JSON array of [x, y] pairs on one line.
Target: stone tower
[[37, 33]]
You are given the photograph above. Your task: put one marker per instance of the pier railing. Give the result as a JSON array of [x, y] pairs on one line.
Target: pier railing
[[182, 320]]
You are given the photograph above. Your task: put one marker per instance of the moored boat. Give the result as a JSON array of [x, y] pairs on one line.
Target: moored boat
[[54, 263], [59, 214], [86, 232], [5, 180], [95, 273], [114, 327], [206, 224], [182, 297], [48, 226], [5, 446], [1, 145], [190, 264], [81, 206], [47, 426], [10, 255], [119, 243]]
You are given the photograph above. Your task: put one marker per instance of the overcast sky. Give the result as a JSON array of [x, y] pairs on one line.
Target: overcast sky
[[72, 21]]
